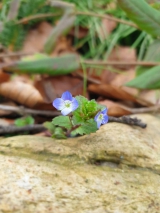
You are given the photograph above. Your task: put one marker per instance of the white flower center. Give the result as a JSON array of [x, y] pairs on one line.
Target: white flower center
[[67, 104], [101, 117]]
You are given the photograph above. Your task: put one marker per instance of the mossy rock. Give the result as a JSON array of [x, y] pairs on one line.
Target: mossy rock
[[115, 170]]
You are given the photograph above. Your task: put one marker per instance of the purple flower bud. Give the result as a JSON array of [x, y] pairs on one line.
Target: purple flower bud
[[101, 118], [66, 103]]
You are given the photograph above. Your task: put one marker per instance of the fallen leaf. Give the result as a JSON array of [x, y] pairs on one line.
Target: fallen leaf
[[79, 32], [120, 53], [6, 122], [107, 26], [120, 79], [53, 87], [4, 76], [115, 109], [21, 92], [152, 96], [36, 38], [62, 46], [112, 91]]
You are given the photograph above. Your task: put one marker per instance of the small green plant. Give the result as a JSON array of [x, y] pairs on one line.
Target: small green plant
[[29, 120], [79, 116]]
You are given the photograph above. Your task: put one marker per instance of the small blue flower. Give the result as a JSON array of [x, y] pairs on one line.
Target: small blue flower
[[101, 118], [66, 103]]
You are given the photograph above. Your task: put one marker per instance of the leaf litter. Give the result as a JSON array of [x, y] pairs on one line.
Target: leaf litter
[[37, 89]]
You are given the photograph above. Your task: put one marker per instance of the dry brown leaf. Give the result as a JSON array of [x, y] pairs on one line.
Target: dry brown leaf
[[81, 32], [112, 91], [21, 92], [6, 122], [152, 96], [115, 109], [120, 53], [62, 46], [107, 26], [146, 95], [36, 38], [107, 76], [4, 76], [53, 87], [121, 79]]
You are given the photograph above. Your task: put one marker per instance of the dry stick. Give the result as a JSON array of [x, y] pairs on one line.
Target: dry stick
[[144, 109], [37, 16], [29, 18], [128, 120], [10, 129], [14, 54], [23, 111], [107, 17]]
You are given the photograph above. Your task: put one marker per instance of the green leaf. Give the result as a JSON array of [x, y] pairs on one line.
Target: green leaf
[[59, 134], [146, 17], [50, 126], [86, 110], [86, 128], [62, 121], [29, 120], [148, 80], [60, 65], [152, 54]]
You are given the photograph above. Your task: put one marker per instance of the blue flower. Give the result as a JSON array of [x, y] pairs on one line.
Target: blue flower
[[66, 103], [101, 118]]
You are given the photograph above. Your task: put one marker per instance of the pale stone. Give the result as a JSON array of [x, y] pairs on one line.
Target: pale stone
[[115, 170]]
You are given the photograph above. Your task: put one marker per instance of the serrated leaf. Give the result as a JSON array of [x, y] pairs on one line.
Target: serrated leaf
[[62, 121], [88, 127], [148, 80], [146, 17], [50, 126], [59, 134], [86, 110], [60, 65]]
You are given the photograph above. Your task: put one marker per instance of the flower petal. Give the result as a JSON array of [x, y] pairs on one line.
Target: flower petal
[[67, 96], [105, 119], [104, 111], [96, 117], [58, 103], [75, 104], [66, 110], [99, 122]]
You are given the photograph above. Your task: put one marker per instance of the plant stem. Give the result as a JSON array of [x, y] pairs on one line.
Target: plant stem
[[107, 17]]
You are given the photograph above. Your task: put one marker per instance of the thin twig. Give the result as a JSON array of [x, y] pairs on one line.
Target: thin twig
[[23, 111], [121, 63], [128, 120], [14, 54], [107, 17], [10, 129], [144, 109], [37, 16]]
